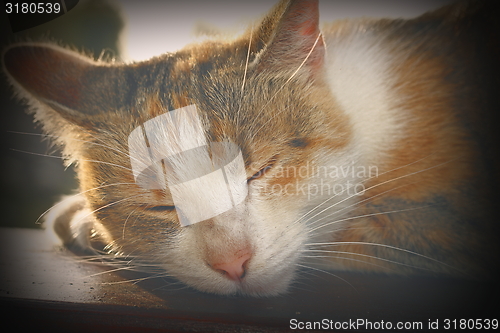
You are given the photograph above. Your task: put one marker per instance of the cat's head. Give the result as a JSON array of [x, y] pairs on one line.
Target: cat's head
[[264, 94]]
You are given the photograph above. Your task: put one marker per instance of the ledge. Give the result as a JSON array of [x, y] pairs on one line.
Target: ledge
[[54, 289]]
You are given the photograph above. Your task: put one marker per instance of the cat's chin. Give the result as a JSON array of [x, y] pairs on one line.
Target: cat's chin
[[253, 285]]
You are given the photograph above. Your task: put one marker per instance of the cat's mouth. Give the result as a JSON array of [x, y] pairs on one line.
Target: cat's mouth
[[215, 260], [253, 282]]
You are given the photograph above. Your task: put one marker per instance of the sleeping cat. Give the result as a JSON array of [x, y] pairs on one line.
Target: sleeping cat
[[364, 146]]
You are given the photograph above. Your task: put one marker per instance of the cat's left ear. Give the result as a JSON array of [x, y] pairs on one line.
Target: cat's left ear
[[297, 43], [77, 88]]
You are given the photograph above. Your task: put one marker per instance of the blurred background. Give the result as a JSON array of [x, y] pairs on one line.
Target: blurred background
[[32, 176]]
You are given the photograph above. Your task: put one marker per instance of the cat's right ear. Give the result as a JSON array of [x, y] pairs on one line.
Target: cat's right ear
[[74, 86], [295, 42]]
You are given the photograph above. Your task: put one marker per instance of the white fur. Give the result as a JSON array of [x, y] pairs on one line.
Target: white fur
[[359, 74], [71, 222], [247, 226]]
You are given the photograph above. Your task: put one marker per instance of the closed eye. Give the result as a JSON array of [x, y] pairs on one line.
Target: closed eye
[[259, 173], [160, 208], [263, 170]]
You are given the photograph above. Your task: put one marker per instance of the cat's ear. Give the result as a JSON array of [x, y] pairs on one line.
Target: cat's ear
[[77, 88], [296, 42]]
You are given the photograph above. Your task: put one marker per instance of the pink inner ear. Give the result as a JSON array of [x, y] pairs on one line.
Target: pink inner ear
[[297, 38], [308, 29], [305, 15]]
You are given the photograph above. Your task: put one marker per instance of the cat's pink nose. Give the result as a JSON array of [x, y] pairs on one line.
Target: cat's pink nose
[[234, 270]]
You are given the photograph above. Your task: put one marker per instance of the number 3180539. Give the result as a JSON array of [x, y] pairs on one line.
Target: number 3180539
[[32, 8], [470, 324]]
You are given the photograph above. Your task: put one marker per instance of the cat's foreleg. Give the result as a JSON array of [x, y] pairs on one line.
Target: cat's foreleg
[[74, 225]]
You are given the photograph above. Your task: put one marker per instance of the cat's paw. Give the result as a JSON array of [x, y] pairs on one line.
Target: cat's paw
[[73, 224]]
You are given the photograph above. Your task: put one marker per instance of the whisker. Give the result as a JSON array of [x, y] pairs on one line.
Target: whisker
[[384, 246], [36, 154], [125, 223], [286, 82], [305, 279], [362, 255], [74, 139], [237, 117], [407, 165], [354, 205], [75, 195], [326, 272], [382, 183], [364, 262], [107, 163], [109, 271], [132, 265], [133, 281], [368, 215], [84, 160], [170, 284], [364, 181], [160, 275], [246, 62], [107, 146], [108, 205]]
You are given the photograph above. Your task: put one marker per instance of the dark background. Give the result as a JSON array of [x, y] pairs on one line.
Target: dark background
[[30, 183]]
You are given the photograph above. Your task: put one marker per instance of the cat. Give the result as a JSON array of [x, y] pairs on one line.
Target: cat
[[365, 146]]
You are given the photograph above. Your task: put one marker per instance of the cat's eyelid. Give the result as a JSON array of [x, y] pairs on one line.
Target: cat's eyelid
[[264, 169], [259, 173], [160, 208]]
